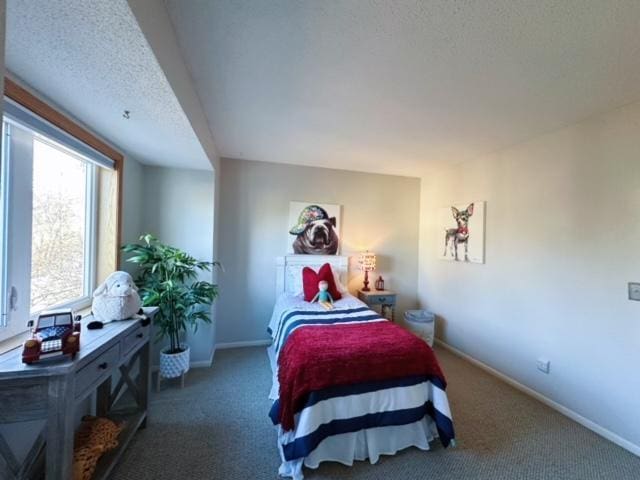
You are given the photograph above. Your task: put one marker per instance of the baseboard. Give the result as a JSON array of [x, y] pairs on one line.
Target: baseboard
[[585, 422], [201, 363], [198, 364], [249, 343], [222, 346]]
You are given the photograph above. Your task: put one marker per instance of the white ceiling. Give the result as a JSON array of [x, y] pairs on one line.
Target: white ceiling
[[91, 58], [400, 86]]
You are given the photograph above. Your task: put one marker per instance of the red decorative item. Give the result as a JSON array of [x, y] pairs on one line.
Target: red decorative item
[[55, 332], [318, 357], [310, 281], [380, 283]]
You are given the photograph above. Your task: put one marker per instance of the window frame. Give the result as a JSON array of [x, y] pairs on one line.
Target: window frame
[[18, 270], [94, 250]]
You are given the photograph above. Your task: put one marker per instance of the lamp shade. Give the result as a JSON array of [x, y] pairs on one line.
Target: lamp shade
[[367, 261]]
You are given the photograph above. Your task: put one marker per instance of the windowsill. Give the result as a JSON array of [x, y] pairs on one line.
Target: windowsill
[[13, 342]]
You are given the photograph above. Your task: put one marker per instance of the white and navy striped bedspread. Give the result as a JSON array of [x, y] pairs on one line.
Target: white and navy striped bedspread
[[350, 408], [291, 320]]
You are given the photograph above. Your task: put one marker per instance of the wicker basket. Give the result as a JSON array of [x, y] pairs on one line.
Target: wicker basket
[[94, 438]]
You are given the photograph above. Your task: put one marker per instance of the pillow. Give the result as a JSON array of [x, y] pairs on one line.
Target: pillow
[[310, 281], [342, 290], [340, 287]]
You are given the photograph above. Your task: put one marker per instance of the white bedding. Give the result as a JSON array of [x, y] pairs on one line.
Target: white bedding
[[364, 443], [288, 302]]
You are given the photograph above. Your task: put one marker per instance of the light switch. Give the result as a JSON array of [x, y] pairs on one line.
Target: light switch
[[634, 291]]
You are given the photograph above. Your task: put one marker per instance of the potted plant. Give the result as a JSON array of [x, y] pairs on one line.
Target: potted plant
[[168, 278]]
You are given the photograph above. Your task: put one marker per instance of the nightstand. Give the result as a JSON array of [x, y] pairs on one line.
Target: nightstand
[[384, 298]]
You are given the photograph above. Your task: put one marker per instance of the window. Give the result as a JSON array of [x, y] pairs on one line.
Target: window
[[48, 219], [63, 217]]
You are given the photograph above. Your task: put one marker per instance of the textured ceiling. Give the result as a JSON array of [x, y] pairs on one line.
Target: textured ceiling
[[400, 86], [91, 58]]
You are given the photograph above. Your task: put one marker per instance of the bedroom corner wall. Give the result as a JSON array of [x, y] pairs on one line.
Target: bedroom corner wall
[[562, 230], [132, 202], [179, 211], [378, 213], [177, 206]]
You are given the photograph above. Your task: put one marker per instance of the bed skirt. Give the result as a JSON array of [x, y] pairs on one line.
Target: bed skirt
[[347, 447], [362, 445]]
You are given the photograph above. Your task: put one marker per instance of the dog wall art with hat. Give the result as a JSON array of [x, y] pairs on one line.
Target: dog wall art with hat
[[315, 228]]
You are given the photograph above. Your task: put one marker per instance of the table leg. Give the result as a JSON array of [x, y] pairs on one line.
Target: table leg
[[387, 312], [144, 380], [103, 398], [59, 449]]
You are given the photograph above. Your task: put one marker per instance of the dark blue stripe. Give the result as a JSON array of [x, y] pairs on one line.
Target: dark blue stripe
[[269, 331], [303, 446], [358, 388], [286, 317], [329, 321], [445, 427], [438, 382], [353, 389], [274, 412]]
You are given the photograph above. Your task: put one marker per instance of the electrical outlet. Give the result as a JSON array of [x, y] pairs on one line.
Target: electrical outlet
[[543, 365], [634, 291]]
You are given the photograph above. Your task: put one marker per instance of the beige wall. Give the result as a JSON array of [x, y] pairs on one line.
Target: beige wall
[[562, 236], [379, 213]]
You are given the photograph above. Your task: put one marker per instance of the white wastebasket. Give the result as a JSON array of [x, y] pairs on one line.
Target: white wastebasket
[[421, 323]]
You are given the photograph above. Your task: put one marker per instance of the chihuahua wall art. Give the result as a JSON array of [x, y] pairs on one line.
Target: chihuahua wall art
[[462, 230]]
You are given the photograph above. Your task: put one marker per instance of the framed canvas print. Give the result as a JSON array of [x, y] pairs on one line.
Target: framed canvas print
[[461, 230], [314, 228]]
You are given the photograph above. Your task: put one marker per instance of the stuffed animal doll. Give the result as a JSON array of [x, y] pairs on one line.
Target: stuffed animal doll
[[115, 299], [323, 296]]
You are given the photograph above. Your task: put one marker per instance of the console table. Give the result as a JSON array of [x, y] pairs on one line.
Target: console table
[[55, 389]]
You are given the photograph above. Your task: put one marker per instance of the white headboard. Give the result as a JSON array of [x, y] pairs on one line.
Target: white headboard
[[289, 270]]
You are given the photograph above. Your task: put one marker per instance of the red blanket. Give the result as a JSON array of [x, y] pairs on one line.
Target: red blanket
[[317, 357]]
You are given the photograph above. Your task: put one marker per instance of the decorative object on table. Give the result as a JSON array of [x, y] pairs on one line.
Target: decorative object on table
[[462, 227], [380, 283], [385, 299], [367, 263], [422, 324], [55, 332], [115, 299], [168, 278], [315, 227], [323, 297], [311, 282], [95, 437]]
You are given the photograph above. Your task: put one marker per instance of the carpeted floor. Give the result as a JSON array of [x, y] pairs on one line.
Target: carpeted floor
[[217, 428]]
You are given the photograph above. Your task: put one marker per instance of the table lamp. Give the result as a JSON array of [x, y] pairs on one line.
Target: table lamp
[[367, 263]]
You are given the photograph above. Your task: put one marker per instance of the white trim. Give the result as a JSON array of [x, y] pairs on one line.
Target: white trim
[[289, 270], [198, 364], [201, 364], [249, 343], [18, 114], [585, 422]]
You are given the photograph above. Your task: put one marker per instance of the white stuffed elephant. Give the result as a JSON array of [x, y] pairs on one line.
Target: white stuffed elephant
[[116, 298]]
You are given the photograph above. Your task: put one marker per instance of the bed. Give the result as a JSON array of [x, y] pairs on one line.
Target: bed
[[333, 399]]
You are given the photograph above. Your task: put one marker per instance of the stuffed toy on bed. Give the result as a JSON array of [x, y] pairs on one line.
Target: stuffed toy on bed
[[323, 296], [115, 299]]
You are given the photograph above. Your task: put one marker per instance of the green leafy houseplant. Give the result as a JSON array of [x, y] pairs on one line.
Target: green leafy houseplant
[[168, 278]]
